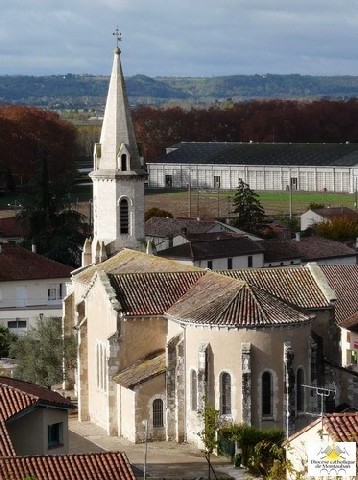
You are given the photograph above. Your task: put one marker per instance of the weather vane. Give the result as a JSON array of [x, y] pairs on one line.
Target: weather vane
[[118, 34]]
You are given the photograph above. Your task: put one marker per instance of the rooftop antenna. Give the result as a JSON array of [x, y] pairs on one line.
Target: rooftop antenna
[[118, 36], [322, 392]]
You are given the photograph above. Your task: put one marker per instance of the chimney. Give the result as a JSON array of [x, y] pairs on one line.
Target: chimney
[[298, 236], [33, 248]]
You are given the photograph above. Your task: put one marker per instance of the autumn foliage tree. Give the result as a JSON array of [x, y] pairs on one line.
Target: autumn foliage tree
[[259, 121], [25, 130], [340, 229]]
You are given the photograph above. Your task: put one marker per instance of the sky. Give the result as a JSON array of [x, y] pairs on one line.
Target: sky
[[196, 38]]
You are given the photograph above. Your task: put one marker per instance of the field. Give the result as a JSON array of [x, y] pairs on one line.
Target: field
[[205, 204]]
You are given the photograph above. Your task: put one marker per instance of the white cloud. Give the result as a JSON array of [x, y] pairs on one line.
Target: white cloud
[[180, 37]]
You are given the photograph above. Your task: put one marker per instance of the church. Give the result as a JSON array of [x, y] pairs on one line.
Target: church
[[158, 340]]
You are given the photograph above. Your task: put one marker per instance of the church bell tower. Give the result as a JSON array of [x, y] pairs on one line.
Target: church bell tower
[[118, 177]]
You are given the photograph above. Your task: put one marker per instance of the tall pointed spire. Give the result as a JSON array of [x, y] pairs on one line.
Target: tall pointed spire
[[118, 175], [117, 128]]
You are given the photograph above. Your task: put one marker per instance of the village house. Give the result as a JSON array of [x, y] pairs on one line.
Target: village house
[[322, 440], [31, 286], [317, 215], [34, 438]]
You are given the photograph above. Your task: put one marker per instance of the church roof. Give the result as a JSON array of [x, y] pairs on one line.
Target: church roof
[[294, 285], [18, 263], [131, 261], [343, 279], [142, 370], [151, 293], [224, 301], [235, 153]]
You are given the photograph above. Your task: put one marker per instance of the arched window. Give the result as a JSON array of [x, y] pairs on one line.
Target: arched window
[[194, 390], [300, 390], [124, 162], [158, 417], [225, 393], [266, 394], [124, 216]]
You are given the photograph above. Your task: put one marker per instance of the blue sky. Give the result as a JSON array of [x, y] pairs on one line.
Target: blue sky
[[180, 37]]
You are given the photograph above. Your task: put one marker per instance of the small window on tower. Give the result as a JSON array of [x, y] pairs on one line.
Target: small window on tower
[[124, 162], [124, 216]]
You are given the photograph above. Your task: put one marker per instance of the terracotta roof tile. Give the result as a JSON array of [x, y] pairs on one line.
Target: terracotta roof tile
[[342, 427], [333, 212], [131, 261], [294, 285], [343, 279], [224, 301], [151, 293], [142, 370], [307, 249], [226, 246], [17, 263], [166, 227], [350, 323], [17, 396], [95, 466]]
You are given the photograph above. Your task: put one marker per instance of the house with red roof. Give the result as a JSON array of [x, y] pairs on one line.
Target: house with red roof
[[31, 286], [317, 215], [34, 438], [322, 446]]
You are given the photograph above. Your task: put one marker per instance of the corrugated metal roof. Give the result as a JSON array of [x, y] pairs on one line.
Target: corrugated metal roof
[[294, 285], [231, 153], [94, 466], [151, 293], [224, 301]]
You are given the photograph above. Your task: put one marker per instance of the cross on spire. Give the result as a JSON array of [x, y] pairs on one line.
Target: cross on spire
[[118, 34]]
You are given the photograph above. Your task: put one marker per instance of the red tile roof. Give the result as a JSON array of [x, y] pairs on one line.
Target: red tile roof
[[307, 249], [331, 212], [170, 227], [220, 246], [17, 263], [224, 301], [294, 285], [342, 427], [343, 279], [17, 396], [95, 466], [151, 293], [12, 227], [131, 261]]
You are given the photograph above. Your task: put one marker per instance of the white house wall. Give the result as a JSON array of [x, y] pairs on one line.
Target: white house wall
[[334, 179], [27, 300]]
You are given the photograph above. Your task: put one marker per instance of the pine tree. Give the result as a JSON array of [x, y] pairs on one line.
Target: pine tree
[[250, 213]]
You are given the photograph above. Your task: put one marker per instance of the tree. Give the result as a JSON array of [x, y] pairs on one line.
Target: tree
[[340, 229], [57, 230], [43, 354], [208, 435], [250, 213], [6, 340], [156, 212]]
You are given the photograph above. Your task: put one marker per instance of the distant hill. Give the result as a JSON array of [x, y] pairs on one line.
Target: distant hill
[[89, 91]]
